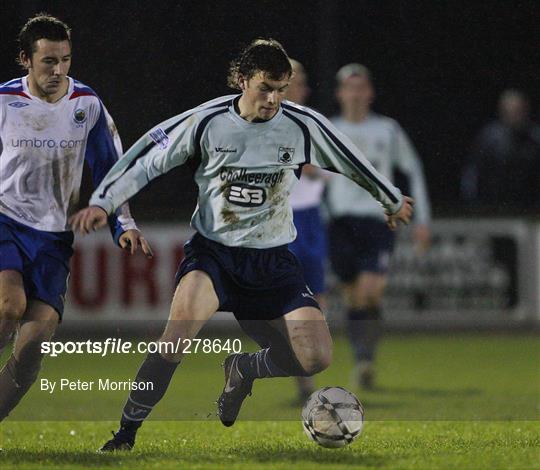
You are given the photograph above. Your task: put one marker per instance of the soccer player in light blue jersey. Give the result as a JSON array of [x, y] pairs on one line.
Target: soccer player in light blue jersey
[[360, 242], [49, 125], [248, 150]]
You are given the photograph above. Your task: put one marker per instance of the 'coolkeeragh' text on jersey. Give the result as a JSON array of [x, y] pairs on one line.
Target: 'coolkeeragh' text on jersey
[[387, 147], [43, 147], [245, 170]]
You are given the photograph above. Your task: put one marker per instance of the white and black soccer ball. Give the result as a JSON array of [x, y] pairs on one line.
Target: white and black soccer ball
[[333, 417]]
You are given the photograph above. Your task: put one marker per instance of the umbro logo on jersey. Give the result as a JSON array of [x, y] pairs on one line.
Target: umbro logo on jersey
[[285, 154], [160, 138], [225, 150], [18, 104]]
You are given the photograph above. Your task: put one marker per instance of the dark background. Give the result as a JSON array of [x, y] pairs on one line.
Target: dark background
[[438, 66]]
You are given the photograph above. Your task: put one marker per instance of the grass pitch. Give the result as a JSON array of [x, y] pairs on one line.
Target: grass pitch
[[461, 401]]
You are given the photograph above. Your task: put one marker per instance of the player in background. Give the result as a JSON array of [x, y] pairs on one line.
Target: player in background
[[49, 124], [248, 150], [360, 243], [310, 243]]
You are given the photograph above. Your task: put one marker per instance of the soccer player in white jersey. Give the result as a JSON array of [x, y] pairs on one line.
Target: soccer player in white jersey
[[360, 243], [49, 124], [248, 150], [310, 245]]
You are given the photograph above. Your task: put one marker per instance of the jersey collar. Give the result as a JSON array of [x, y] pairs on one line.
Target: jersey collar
[[36, 99]]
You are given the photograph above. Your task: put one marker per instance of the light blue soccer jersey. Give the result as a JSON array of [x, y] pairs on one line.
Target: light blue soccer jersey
[[245, 170], [43, 149], [387, 147]]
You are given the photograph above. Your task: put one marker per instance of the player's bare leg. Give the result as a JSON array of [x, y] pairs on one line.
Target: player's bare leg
[[194, 302], [12, 304], [364, 297], [309, 338], [306, 385], [297, 344], [37, 325]]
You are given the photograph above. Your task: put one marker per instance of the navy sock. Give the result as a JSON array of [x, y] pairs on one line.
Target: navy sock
[[259, 365], [157, 373], [364, 329]]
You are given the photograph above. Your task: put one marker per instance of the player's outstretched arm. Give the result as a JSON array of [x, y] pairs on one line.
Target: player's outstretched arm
[[94, 217], [404, 214]]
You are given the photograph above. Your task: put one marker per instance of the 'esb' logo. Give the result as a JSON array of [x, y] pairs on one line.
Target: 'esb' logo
[[245, 195]]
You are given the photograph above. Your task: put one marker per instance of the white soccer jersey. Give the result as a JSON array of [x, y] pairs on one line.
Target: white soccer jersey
[[387, 147], [245, 170], [43, 148]]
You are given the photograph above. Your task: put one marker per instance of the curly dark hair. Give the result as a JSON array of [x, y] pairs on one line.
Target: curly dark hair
[[42, 26], [262, 55]]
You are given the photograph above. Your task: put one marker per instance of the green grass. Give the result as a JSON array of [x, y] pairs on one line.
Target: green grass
[[462, 401]]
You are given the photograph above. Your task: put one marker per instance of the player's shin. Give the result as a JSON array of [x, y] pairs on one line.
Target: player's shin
[[157, 373], [16, 378], [364, 329]]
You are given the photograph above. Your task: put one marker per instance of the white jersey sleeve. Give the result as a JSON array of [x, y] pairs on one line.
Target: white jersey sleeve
[[334, 151], [166, 146]]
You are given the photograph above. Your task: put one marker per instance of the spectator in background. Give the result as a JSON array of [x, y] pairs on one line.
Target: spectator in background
[[360, 243], [503, 168], [310, 243]]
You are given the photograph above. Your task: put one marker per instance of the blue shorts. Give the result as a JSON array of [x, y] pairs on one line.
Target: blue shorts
[[41, 257], [359, 244], [310, 246], [254, 284]]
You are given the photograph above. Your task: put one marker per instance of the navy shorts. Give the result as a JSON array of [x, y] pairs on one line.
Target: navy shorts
[[41, 257], [254, 284], [310, 246], [359, 244]]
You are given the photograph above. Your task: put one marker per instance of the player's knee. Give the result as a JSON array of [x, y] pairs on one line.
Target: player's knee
[[12, 307]]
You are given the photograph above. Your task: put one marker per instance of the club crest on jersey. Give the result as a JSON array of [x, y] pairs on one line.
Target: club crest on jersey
[[160, 138], [79, 116], [285, 154], [18, 104]]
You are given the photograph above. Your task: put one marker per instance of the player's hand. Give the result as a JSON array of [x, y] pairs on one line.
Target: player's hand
[[422, 239], [89, 219], [130, 241], [404, 214]]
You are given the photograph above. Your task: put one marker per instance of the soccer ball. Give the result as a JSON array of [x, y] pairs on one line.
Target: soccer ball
[[333, 417]]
